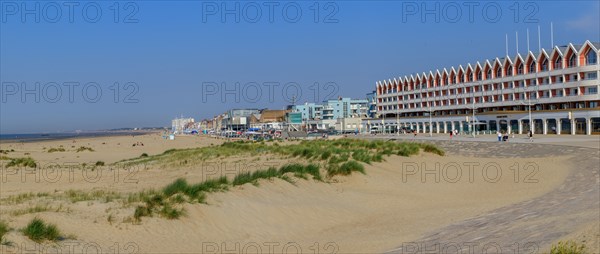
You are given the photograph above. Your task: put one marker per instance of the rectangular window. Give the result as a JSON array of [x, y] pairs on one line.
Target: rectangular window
[[591, 75], [592, 90], [593, 104]]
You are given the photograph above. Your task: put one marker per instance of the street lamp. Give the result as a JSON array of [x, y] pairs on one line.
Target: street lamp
[[473, 108], [529, 109], [430, 121]]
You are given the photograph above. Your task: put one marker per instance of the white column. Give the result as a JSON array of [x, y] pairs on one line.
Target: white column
[[588, 126], [545, 126], [445, 127], [573, 130], [558, 126], [437, 127], [417, 127], [498, 125], [520, 122]]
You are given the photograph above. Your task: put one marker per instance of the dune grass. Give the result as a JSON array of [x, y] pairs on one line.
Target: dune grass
[[336, 157], [54, 150], [23, 197], [34, 209], [3, 230], [83, 149], [336, 151], [22, 162], [568, 247], [38, 231]]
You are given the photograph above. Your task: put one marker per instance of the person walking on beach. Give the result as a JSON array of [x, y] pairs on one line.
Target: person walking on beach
[[530, 136], [499, 136], [451, 133]]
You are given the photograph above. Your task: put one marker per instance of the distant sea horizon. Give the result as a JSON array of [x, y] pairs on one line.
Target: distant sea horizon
[[32, 137]]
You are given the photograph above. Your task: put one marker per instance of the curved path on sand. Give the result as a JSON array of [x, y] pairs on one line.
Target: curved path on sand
[[541, 221]]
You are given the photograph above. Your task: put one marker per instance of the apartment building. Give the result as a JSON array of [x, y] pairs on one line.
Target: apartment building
[[556, 89]]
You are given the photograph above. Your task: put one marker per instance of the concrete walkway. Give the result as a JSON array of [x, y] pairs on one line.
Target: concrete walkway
[[592, 141], [526, 227]]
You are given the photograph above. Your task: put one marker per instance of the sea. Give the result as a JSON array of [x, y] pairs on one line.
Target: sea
[[34, 137]]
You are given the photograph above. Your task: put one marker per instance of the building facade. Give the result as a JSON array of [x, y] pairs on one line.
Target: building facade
[[558, 88], [179, 125], [334, 109]]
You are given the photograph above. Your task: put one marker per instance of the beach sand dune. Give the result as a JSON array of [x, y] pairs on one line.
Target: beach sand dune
[[396, 202]]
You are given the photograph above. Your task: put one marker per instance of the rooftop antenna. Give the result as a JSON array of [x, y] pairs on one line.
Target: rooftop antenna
[[517, 35], [539, 40], [506, 44], [552, 34]]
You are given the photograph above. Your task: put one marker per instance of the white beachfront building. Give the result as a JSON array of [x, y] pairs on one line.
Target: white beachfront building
[[549, 92]]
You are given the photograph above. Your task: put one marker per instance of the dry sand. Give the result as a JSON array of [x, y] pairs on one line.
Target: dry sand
[[389, 206]]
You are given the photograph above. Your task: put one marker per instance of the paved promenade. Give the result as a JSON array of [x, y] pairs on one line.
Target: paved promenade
[[525, 226]]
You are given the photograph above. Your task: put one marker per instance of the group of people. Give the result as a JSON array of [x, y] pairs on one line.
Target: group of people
[[453, 133], [503, 136]]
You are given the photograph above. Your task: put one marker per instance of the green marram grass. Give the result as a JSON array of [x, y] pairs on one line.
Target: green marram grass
[[27, 162], [337, 157], [568, 247], [4, 228], [37, 230], [334, 151]]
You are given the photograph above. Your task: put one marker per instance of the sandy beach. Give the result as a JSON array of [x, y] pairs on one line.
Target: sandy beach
[[395, 203]]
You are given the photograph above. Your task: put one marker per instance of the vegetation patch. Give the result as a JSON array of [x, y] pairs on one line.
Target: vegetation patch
[[84, 148], [336, 157], [568, 247], [3, 231], [54, 150], [22, 162], [38, 231]]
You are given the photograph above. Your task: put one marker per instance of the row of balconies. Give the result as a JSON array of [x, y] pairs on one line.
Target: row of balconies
[[562, 99], [562, 72], [501, 98], [535, 88]]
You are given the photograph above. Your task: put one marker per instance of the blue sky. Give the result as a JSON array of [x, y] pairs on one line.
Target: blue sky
[[176, 58]]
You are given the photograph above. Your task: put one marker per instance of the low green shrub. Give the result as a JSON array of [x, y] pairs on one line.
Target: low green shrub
[[38, 231]]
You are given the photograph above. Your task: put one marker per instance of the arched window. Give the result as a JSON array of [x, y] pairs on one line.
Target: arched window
[[545, 65], [558, 63], [520, 68], [499, 72], [572, 60], [488, 75], [509, 71], [479, 75], [591, 57], [532, 67], [462, 78]]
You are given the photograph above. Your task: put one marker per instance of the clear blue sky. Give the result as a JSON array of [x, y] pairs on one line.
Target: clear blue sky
[[177, 46]]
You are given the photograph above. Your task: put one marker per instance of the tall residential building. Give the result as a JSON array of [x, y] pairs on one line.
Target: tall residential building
[[333, 109], [559, 87]]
